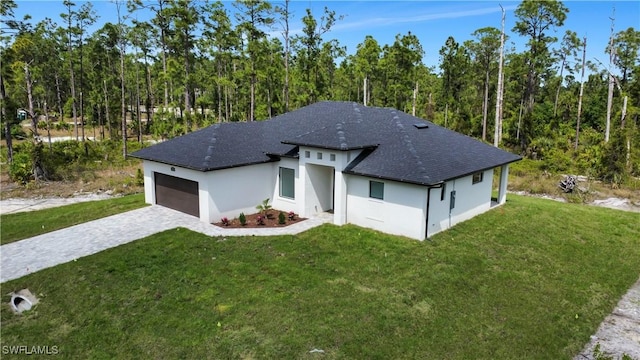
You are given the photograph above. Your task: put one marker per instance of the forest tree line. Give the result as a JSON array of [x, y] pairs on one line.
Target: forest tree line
[[199, 63]]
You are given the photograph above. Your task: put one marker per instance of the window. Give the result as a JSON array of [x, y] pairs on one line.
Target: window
[[319, 156], [332, 157], [287, 183], [376, 190], [443, 192], [307, 154], [477, 177]]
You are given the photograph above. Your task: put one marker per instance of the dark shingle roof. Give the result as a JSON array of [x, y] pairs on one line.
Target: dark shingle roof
[[395, 148]]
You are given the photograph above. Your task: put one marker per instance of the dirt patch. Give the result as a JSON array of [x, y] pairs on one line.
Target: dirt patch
[[262, 220], [617, 203], [116, 180]]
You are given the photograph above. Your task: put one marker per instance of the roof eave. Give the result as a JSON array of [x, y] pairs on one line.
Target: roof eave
[[484, 169], [207, 169], [402, 180]]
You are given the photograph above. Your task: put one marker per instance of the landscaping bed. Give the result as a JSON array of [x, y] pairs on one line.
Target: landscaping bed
[[268, 218]]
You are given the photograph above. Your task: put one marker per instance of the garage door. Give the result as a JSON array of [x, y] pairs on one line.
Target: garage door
[[177, 193]]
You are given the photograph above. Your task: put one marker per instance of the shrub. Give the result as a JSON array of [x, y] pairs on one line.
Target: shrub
[[264, 206], [243, 219], [140, 178], [281, 218], [21, 168]]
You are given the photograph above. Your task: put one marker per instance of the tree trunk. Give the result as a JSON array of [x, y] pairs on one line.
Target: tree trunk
[[555, 103], [607, 129], [415, 97], [149, 104], [106, 109], [7, 123], [364, 91], [253, 91], [520, 119], [610, 90], [72, 80], [46, 117], [446, 114], [497, 138], [138, 117], [123, 106], [59, 98], [32, 113], [219, 87], [81, 95], [627, 133], [286, 56], [584, 55], [485, 106]]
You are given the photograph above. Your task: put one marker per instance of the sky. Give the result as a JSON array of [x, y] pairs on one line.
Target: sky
[[431, 21]]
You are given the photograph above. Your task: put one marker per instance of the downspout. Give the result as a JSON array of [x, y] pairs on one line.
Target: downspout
[[436, 186]]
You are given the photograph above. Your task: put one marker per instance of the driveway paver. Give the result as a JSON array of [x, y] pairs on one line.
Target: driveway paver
[[26, 256]]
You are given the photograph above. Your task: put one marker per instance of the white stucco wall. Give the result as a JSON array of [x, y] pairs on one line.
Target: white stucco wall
[[282, 203], [323, 185], [202, 178], [401, 212], [222, 193], [240, 189], [471, 200]]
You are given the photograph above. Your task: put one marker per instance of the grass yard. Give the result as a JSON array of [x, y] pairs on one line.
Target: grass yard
[[532, 279], [18, 226]]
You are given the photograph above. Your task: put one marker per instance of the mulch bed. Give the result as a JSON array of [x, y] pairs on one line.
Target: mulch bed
[[270, 219]]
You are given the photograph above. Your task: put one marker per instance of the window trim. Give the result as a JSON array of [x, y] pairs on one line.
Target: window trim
[[371, 195], [477, 177], [280, 181]]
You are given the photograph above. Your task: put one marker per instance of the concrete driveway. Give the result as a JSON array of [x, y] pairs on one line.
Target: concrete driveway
[[23, 257]]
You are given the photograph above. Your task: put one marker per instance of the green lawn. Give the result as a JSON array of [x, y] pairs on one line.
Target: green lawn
[[14, 227], [532, 279]]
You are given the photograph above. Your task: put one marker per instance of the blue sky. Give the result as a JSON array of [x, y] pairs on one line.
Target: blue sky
[[431, 21]]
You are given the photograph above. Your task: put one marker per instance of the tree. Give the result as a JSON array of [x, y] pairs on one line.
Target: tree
[[219, 41], [584, 56], [568, 48], [535, 20], [185, 18], [626, 45], [253, 16], [85, 17], [71, 31], [500, 88], [484, 52], [285, 14], [122, 44], [366, 62], [398, 67], [308, 48], [454, 63], [141, 39], [7, 106]]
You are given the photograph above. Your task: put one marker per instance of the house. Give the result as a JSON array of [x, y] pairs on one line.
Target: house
[[374, 167]]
